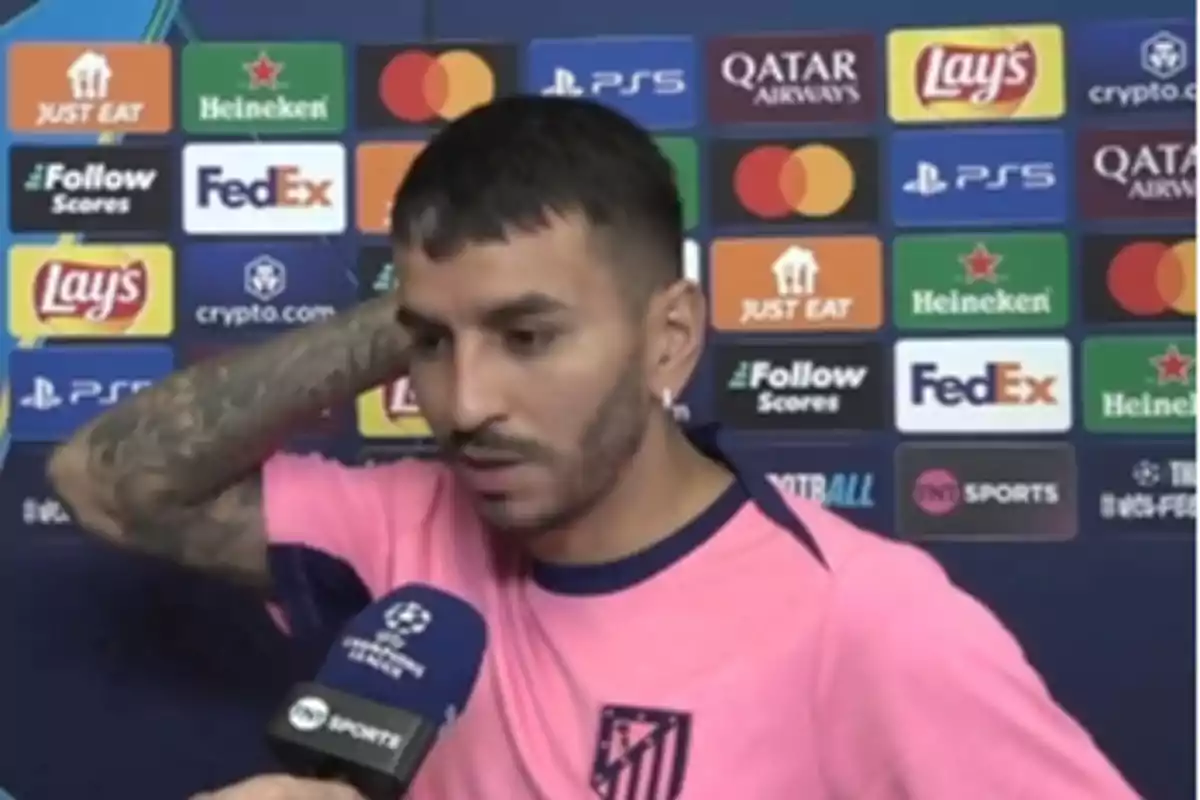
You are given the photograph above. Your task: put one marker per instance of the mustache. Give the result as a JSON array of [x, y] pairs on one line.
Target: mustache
[[488, 444]]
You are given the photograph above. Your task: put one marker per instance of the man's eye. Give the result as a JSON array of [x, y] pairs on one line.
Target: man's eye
[[529, 341], [427, 343]]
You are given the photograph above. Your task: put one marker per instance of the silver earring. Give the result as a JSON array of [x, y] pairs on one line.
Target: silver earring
[[668, 399]]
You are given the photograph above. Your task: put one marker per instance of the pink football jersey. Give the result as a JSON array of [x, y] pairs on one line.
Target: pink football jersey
[[769, 650]]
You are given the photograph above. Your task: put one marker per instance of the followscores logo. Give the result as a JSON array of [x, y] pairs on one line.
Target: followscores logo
[[812, 387], [983, 385], [56, 390], [1134, 66], [978, 177], [650, 79], [264, 188], [110, 189], [260, 287]]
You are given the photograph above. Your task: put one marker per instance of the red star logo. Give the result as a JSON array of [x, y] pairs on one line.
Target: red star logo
[[264, 73], [1173, 366], [980, 264]]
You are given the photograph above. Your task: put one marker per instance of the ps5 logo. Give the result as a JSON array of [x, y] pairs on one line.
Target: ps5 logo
[[659, 82], [45, 395], [1023, 176]]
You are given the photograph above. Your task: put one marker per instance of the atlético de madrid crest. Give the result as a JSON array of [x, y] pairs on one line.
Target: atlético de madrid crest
[[641, 753]]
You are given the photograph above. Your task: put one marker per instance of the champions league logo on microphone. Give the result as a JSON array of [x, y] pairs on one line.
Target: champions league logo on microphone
[[384, 651], [408, 618]]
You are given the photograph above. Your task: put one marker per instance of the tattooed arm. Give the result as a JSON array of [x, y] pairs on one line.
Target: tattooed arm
[[173, 470]]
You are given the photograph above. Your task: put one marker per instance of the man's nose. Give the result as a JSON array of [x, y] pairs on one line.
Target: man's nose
[[478, 399]]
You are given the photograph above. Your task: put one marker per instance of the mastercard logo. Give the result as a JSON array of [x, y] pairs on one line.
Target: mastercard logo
[[772, 182], [418, 87], [1151, 278]]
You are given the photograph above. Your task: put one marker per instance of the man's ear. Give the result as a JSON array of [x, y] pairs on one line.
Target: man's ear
[[678, 323]]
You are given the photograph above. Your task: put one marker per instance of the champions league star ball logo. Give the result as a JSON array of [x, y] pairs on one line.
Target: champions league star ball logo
[[407, 619]]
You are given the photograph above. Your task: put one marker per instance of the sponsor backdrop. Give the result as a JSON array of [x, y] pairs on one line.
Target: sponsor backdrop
[[952, 281]]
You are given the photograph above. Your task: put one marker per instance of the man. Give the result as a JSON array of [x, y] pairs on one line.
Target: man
[[664, 624]]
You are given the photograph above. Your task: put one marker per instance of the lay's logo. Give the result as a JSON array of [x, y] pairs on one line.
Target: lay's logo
[[973, 74], [391, 412], [91, 291]]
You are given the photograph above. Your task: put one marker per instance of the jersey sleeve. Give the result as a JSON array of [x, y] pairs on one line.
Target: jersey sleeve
[[923, 693], [337, 534]]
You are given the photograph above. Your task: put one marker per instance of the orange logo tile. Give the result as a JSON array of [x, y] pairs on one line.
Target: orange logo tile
[[830, 283], [379, 167], [89, 88]]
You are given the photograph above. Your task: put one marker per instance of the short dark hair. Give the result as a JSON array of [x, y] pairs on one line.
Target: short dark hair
[[509, 165]]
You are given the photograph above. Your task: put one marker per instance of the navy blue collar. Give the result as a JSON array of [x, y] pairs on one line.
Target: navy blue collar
[[749, 485]]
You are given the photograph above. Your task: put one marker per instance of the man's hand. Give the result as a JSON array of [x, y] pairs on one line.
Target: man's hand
[[282, 787]]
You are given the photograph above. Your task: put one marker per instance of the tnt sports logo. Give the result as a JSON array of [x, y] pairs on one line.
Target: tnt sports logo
[[985, 491], [391, 412], [90, 291], [983, 385], [786, 183], [308, 714], [973, 74], [264, 189]]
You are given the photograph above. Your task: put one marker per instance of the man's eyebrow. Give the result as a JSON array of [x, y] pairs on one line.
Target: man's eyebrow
[[408, 318], [531, 304], [503, 314]]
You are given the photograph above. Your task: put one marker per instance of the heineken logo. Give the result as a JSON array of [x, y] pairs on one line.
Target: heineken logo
[[983, 282], [1140, 384], [270, 88]]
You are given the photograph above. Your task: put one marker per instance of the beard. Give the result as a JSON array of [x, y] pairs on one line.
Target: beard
[[583, 478]]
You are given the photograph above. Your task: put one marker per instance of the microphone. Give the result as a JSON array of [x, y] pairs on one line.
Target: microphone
[[401, 670]]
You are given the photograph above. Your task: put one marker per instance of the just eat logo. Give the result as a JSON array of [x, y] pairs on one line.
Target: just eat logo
[[264, 189]]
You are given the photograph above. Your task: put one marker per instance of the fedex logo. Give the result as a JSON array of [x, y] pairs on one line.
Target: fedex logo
[[983, 385], [258, 189], [284, 186], [1000, 383]]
